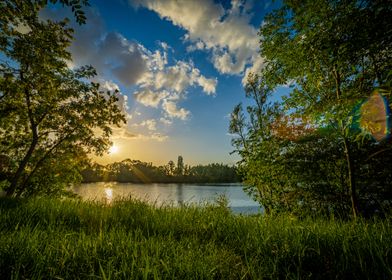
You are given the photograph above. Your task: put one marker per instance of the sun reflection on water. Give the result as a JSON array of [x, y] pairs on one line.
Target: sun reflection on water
[[109, 195]]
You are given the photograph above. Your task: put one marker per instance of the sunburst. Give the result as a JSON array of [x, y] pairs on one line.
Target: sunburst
[[113, 150]]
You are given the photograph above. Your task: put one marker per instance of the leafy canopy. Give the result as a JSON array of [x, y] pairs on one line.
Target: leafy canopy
[[308, 151], [52, 116]]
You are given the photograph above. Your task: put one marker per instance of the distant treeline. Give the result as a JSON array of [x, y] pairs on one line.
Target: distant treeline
[[135, 171]]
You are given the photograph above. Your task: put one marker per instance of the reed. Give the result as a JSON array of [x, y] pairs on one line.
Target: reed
[[47, 238]]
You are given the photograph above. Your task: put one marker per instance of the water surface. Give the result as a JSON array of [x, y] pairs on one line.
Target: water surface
[[170, 194]]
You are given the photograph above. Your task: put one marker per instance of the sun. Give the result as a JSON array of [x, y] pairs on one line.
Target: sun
[[113, 150]]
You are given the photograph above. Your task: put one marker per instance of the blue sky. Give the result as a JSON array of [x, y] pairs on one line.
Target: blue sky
[[179, 66]]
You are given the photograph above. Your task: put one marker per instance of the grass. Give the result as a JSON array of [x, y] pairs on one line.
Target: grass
[[71, 239]]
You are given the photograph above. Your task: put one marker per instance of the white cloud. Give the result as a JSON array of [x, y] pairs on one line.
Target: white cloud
[[150, 98], [165, 121], [155, 81], [172, 111], [150, 124], [228, 34], [199, 45], [158, 61], [165, 85], [208, 85], [258, 62], [164, 46], [223, 61], [109, 85], [134, 65], [177, 78]]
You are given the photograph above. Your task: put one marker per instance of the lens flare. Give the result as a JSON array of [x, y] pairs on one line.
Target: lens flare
[[374, 117]]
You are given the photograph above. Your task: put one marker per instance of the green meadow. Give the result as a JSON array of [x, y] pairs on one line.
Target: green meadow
[[46, 238]]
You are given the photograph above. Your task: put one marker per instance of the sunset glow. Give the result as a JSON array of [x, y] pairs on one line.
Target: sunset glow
[[113, 150]]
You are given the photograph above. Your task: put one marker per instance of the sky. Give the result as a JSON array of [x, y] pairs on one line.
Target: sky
[[180, 67]]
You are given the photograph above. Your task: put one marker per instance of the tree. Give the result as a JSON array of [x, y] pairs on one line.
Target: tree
[[180, 166], [334, 54], [170, 168], [49, 112], [262, 166]]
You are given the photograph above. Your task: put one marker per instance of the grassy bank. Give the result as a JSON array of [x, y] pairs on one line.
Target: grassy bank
[[48, 238]]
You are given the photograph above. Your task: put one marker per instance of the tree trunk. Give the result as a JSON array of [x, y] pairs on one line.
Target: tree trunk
[[14, 183], [351, 179], [349, 161], [45, 156], [34, 130]]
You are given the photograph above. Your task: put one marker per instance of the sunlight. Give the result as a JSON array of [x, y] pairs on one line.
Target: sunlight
[[109, 195], [113, 150]]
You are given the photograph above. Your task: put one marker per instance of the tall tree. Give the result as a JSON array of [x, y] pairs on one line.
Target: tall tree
[[334, 54], [180, 166], [48, 111], [251, 130]]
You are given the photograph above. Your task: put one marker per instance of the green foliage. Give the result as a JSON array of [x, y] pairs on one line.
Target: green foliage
[[262, 165], [69, 239], [51, 115], [306, 153]]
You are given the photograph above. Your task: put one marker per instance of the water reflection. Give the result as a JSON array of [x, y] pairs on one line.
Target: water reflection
[[170, 194], [109, 195], [180, 195]]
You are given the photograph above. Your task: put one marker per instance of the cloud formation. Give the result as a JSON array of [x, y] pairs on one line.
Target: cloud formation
[[125, 59], [133, 65], [165, 85], [109, 52], [155, 82], [228, 34], [150, 124], [150, 98], [172, 111]]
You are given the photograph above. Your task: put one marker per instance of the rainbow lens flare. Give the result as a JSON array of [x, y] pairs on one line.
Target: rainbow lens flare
[[374, 117]]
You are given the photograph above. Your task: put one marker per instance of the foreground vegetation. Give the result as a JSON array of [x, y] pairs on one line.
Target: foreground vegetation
[[70, 239]]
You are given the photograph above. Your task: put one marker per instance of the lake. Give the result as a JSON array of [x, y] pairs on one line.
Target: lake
[[171, 194]]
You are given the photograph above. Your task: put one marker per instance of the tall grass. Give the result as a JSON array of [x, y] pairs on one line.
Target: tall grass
[[71, 239]]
